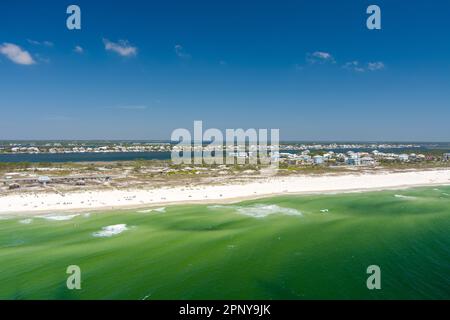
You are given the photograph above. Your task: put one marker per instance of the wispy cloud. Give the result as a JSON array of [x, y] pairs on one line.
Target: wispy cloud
[[320, 57], [317, 57], [353, 66], [78, 49], [374, 66], [121, 47], [181, 53], [358, 67], [41, 43], [42, 58], [16, 54]]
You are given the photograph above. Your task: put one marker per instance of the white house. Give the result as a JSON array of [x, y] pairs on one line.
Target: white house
[[367, 161], [353, 161], [44, 180], [318, 159]]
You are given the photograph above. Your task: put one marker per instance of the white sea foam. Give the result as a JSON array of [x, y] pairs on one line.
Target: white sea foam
[[26, 221], [163, 209], [264, 210], [259, 210], [59, 217], [110, 231], [146, 296], [219, 206], [404, 197]]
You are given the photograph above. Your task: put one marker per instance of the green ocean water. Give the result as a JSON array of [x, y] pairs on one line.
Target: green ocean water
[[290, 247]]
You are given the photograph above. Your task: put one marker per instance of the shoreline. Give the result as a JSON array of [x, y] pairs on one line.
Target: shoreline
[[104, 200]]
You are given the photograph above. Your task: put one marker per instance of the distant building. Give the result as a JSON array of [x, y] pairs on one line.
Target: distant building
[[353, 161], [240, 154], [420, 157], [367, 161], [446, 156], [318, 159], [44, 180], [403, 157], [305, 158]]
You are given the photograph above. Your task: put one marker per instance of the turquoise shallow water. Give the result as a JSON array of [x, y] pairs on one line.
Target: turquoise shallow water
[[293, 247]]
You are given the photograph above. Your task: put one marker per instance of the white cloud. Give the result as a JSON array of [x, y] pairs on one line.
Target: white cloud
[[43, 43], [354, 66], [181, 53], [16, 54], [78, 49], [33, 42], [121, 47], [320, 57], [374, 66]]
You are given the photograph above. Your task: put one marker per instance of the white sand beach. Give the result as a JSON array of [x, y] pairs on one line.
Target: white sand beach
[[17, 203]]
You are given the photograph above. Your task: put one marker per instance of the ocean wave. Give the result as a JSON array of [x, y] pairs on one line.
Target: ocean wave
[[263, 210], [219, 206], [163, 209], [110, 231], [54, 217], [404, 197], [259, 210]]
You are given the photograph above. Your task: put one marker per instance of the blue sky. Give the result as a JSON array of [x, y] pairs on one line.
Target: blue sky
[[140, 69]]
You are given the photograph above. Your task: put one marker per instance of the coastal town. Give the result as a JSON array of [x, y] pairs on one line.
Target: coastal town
[[13, 147], [352, 158], [292, 159]]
